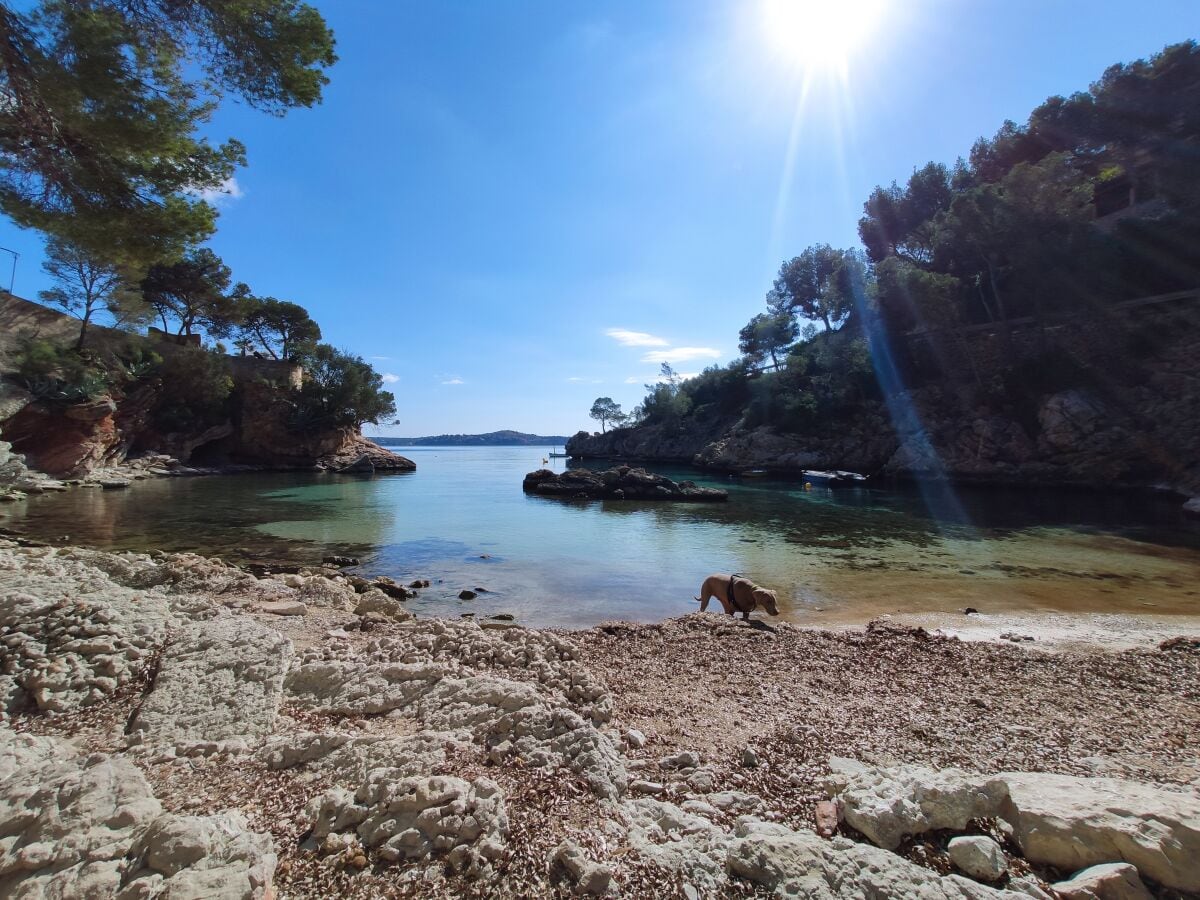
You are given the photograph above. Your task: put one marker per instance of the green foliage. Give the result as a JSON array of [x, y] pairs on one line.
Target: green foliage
[[196, 388], [340, 390], [104, 102], [767, 335], [85, 285], [604, 410], [57, 374], [283, 329], [191, 292], [817, 284]]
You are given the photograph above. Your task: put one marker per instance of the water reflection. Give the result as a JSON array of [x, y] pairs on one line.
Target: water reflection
[[462, 521]]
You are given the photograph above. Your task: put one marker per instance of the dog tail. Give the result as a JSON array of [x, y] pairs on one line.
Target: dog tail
[[697, 599]]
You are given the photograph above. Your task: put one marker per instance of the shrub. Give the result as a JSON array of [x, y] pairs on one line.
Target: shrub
[[196, 386]]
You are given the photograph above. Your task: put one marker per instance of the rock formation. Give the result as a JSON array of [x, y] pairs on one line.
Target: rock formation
[[621, 483]]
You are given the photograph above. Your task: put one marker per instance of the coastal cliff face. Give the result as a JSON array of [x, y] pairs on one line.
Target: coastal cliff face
[[76, 440], [1136, 429]]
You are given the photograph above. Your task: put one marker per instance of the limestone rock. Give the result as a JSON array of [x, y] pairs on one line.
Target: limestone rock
[[590, 878], [678, 841], [1112, 881], [218, 680], [1072, 823], [978, 856], [74, 826], [413, 818], [888, 804], [375, 601], [284, 608], [801, 864]]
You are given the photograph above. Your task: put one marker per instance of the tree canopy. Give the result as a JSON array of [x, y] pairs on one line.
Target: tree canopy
[[193, 293], [604, 410], [816, 285], [340, 390], [104, 100], [283, 329], [85, 286]]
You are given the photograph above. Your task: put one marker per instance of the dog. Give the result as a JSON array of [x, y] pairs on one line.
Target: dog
[[737, 594]]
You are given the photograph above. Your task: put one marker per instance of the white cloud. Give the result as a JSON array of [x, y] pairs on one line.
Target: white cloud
[[575, 379], [384, 358], [635, 338], [454, 381], [633, 379], [681, 354], [229, 189], [389, 378]]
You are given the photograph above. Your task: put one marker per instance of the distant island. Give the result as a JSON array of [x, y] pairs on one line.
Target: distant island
[[491, 439]]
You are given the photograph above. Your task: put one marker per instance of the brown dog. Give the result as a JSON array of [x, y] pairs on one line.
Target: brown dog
[[737, 594]]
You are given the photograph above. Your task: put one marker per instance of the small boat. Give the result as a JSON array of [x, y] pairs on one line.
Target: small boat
[[754, 473], [554, 454], [836, 477]]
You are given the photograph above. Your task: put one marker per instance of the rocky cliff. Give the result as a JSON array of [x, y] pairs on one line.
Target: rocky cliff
[[75, 439], [1136, 426]]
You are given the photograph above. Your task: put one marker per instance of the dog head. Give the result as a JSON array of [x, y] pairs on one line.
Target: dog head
[[767, 600]]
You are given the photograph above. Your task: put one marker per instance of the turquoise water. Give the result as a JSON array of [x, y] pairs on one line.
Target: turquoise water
[[462, 521]]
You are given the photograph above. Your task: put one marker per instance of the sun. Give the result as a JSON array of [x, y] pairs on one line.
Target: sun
[[820, 34]]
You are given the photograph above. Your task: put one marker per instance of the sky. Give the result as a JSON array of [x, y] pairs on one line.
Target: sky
[[511, 209]]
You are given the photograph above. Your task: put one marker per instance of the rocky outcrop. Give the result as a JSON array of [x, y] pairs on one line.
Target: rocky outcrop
[[205, 665], [622, 483], [888, 805], [1072, 823], [1137, 428], [75, 826], [407, 819], [1062, 821], [800, 864]]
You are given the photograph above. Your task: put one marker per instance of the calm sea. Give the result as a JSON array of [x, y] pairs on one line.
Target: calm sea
[[846, 554]]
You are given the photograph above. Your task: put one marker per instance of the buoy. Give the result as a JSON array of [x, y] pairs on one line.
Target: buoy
[[808, 485]]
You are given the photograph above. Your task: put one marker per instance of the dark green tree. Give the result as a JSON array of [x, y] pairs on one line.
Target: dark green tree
[[104, 100], [85, 286], [766, 335], [815, 286], [340, 390], [193, 293], [604, 410], [283, 329]]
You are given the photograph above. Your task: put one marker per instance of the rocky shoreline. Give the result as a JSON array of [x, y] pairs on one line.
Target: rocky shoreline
[[302, 735]]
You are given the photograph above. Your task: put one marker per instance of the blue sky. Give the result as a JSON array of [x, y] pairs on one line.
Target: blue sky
[[513, 208]]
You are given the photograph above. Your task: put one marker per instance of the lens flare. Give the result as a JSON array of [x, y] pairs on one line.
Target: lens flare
[[820, 33]]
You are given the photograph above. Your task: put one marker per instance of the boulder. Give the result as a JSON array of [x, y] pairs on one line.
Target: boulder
[[218, 680], [589, 878], [1112, 881], [978, 856], [889, 804], [1072, 823]]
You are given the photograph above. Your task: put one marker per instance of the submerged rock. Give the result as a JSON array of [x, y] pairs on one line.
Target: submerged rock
[[622, 483]]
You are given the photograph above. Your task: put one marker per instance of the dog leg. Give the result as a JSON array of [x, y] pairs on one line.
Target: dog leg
[[745, 617]]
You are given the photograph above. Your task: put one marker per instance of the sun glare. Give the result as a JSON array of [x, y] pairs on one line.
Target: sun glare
[[820, 33]]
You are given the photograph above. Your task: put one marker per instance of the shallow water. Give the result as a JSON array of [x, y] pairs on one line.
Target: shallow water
[[840, 555]]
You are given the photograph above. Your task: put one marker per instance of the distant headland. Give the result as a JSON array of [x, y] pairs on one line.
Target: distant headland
[[491, 439]]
